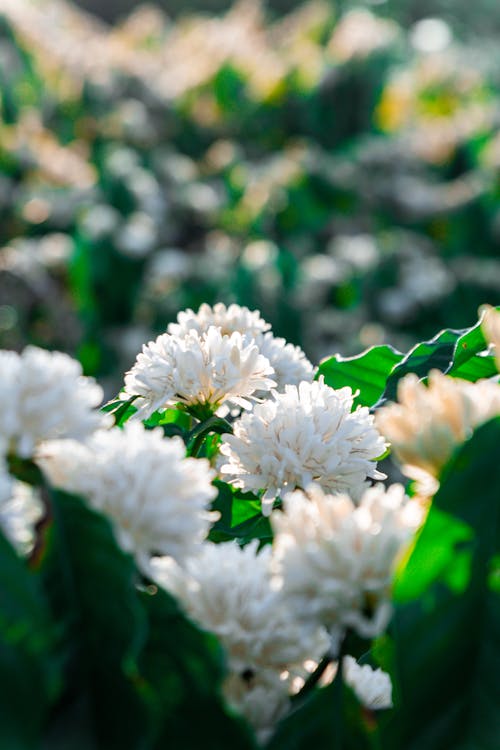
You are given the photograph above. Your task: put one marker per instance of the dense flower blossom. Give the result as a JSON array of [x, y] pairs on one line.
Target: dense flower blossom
[[228, 590], [429, 422], [155, 497], [372, 686], [229, 319], [201, 371], [335, 559], [306, 434], [44, 395], [289, 362]]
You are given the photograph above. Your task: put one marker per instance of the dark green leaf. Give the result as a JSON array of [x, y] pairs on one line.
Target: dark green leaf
[[30, 677], [91, 583], [184, 666], [447, 623]]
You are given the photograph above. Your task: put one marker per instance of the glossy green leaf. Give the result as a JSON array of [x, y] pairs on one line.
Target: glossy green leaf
[[366, 373], [240, 516]]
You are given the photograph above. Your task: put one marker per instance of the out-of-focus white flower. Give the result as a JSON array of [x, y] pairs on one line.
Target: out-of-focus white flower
[[263, 700], [373, 687], [289, 362], [228, 319], [306, 434], [20, 509], [228, 590], [155, 497], [335, 559], [44, 395], [491, 330], [201, 371], [429, 422]]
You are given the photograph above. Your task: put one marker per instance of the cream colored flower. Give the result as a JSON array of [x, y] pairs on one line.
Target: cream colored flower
[[155, 497], [44, 395], [429, 422], [373, 687], [335, 560], [201, 371], [308, 433], [491, 330], [229, 319]]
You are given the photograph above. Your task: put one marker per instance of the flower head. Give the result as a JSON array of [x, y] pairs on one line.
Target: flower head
[[44, 395], [335, 559], [201, 371], [228, 590], [429, 422], [308, 433], [228, 319], [373, 687], [263, 700], [155, 497]]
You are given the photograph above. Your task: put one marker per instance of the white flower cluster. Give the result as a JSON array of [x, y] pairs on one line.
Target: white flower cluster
[[216, 356], [306, 434], [229, 591], [337, 537], [155, 497], [44, 395], [335, 559]]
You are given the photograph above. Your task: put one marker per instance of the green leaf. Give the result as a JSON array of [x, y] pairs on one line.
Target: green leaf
[[197, 436], [447, 623], [328, 718], [434, 354], [91, 584], [314, 723], [121, 410], [241, 516], [30, 677], [184, 666], [367, 372]]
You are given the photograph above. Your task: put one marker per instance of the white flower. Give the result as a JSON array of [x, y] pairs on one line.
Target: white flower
[[20, 509], [335, 559], [429, 422], [229, 319], [289, 362], [228, 590], [263, 700], [198, 370], [372, 686], [306, 434], [155, 497], [44, 395]]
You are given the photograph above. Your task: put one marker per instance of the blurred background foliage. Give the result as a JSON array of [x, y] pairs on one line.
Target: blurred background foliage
[[334, 164]]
